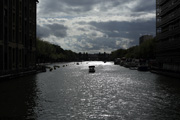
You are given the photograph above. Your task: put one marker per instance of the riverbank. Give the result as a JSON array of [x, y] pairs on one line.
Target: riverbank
[[72, 93], [13, 75], [16, 75], [166, 73]]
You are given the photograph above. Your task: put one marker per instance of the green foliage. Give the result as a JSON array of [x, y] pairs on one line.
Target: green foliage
[[145, 50], [47, 52]]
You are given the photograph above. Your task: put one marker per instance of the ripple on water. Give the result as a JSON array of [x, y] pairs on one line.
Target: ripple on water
[[111, 93]]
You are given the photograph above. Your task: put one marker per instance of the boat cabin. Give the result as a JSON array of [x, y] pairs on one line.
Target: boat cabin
[[91, 69]]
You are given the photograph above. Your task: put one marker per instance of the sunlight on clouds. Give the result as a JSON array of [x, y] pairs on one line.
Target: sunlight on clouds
[[94, 26]]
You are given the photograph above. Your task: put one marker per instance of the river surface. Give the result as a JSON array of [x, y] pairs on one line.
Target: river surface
[[72, 93]]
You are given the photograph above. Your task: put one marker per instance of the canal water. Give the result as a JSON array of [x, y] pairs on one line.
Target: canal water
[[72, 93]]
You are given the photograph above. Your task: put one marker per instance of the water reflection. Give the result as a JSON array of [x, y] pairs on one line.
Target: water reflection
[[18, 98], [111, 93], [168, 97]]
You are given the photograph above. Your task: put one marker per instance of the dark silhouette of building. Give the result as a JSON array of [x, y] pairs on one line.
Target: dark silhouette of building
[[144, 38], [168, 34], [17, 35]]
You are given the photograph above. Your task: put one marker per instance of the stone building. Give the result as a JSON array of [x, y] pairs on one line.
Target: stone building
[[17, 35], [168, 34]]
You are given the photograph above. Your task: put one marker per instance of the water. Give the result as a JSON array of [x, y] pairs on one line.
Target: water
[[71, 93]]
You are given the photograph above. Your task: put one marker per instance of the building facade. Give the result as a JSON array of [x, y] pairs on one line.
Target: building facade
[[168, 34], [144, 38], [17, 35]]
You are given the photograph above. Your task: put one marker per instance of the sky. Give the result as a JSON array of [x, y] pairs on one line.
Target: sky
[[95, 26]]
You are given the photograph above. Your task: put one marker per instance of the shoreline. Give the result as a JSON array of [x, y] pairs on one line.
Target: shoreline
[[166, 73], [17, 75]]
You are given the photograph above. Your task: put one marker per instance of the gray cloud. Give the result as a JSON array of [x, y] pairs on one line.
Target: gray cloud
[[55, 29], [66, 6], [131, 30], [76, 7], [145, 6], [58, 30], [42, 31], [95, 25]]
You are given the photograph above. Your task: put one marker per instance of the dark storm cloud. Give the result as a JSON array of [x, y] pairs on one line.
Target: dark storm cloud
[[57, 30], [96, 45], [82, 29], [145, 6], [42, 31], [96, 25], [70, 7], [131, 30], [66, 6], [124, 26]]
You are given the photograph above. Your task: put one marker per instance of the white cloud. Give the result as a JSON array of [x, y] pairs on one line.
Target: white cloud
[[96, 25]]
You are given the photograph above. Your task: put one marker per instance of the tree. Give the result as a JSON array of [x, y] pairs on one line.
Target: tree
[[47, 52]]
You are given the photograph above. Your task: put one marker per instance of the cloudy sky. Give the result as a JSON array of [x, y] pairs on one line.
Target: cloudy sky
[[95, 25]]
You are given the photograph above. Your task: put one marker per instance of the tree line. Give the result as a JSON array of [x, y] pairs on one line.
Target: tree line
[[146, 50], [47, 52]]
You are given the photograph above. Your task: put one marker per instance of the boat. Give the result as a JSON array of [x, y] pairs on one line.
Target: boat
[[134, 64], [50, 69], [117, 61], [91, 69], [143, 67]]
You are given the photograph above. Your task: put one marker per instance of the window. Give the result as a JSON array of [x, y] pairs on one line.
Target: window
[[10, 58], [158, 11], [158, 2], [159, 19], [171, 39], [5, 12], [14, 35], [159, 30], [6, 2], [14, 18], [20, 5], [14, 3], [14, 56], [1, 29], [20, 37], [170, 27], [5, 34], [1, 58]]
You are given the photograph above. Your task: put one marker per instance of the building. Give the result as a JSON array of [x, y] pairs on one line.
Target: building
[[144, 38], [168, 34], [17, 35]]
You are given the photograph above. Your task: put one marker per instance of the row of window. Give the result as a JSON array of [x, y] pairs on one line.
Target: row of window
[[170, 15], [169, 4], [5, 31], [158, 2], [16, 58], [171, 38]]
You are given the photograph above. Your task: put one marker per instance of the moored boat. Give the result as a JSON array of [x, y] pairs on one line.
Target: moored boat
[[143, 67], [91, 69]]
